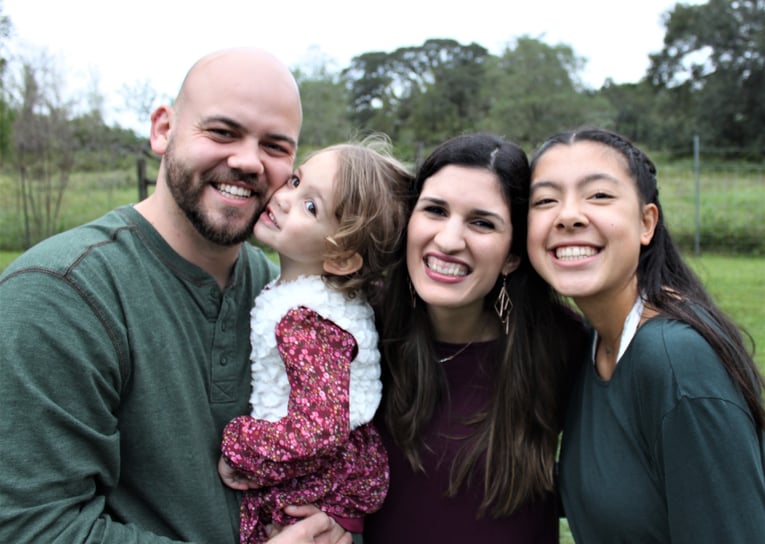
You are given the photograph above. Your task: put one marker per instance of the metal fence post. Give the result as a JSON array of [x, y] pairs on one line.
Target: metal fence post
[[696, 167]]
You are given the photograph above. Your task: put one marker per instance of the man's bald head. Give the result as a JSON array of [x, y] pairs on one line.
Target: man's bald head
[[249, 63]]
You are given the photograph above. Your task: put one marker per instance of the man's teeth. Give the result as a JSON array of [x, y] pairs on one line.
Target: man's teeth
[[234, 190], [571, 253], [447, 269]]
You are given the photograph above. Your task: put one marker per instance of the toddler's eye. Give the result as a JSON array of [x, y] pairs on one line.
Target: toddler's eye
[[310, 205], [434, 210], [294, 181]]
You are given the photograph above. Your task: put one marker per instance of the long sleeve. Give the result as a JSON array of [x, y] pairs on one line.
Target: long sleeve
[[120, 365], [711, 463], [59, 396], [311, 455], [317, 356]]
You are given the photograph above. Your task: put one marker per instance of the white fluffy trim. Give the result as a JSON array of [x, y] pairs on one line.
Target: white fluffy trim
[[270, 388]]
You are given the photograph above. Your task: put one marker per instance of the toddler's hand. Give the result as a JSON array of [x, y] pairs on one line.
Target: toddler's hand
[[232, 477]]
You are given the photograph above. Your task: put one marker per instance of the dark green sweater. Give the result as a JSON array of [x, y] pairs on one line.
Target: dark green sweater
[[666, 451], [120, 364]]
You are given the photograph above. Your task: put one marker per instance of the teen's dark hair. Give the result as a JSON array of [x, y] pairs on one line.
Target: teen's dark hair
[[512, 450], [667, 283]]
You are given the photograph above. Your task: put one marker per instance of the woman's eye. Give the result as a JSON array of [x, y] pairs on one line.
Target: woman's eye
[[483, 224], [435, 210], [310, 206], [294, 181]]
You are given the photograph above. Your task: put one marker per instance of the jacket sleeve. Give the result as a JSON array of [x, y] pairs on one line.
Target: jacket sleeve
[[59, 437], [317, 355]]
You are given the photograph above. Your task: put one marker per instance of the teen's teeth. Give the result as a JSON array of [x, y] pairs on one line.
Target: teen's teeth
[[571, 253]]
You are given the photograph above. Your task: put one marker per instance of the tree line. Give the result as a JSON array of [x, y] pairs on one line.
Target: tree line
[[708, 80]]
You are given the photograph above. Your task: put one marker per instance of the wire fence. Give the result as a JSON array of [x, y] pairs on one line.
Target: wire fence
[[711, 204]]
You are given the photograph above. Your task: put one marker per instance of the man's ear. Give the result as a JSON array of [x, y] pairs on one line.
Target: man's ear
[[343, 266], [161, 122], [513, 262]]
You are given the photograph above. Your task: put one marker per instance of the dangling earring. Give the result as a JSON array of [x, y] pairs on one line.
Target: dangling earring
[[412, 293], [503, 305]]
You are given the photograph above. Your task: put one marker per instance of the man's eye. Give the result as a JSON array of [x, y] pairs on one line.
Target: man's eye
[[310, 205], [221, 132]]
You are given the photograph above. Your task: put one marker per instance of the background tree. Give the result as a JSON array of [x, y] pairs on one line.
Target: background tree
[[139, 99], [372, 96], [534, 90], [418, 95], [657, 117], [714, 59], [44, 147], [6, 113], [441, 82], [324, 94]]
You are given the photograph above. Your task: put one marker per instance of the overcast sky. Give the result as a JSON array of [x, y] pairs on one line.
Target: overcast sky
[[124, 42]]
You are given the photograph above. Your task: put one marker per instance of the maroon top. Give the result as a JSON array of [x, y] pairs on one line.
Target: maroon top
[[417, 509]]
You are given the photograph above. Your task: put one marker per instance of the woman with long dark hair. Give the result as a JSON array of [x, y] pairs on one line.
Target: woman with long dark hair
[[476, 351]]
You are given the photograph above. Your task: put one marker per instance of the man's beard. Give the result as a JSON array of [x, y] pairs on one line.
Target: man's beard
[[188, 195]]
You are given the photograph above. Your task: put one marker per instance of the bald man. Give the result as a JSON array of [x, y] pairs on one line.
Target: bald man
[[124, 343]]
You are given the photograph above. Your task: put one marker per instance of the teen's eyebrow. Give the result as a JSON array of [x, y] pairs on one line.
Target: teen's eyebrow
[[589, 178], [543, 184]]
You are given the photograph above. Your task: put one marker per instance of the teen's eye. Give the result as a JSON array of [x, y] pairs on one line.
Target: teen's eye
[[294, 181], [542, 201], [310, 207], [601, 195]]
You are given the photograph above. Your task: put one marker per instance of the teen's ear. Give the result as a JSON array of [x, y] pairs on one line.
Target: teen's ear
[[513, 262], [343, 266], [649, 221], [161, 123]]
